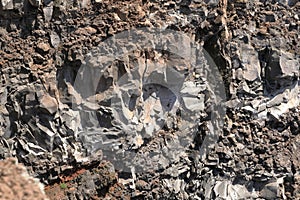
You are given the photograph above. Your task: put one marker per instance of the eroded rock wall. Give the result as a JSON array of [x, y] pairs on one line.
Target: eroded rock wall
[[16, 182], [254, 44]]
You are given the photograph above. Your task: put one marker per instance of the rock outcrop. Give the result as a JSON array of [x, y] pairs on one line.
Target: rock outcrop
[[15, 182], [185, 99]]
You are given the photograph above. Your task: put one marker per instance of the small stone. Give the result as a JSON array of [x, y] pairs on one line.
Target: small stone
[[277, 100], [142, 185], [7, 4], [281, 64], [239, 74], [177, 185], [48, 11], [38, 58], [263, 30], [220, 189], [270, 191], [270, 17], [234, 103], [43, 47], [55, 40], [49, 103], [35, 3], [85, 3], [250, 63], [90, 30]]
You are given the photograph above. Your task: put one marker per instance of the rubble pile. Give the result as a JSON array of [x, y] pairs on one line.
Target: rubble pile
[[100, 99]]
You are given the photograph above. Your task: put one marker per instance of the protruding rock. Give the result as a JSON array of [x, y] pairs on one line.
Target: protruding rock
[[7, 4], [49, 103], [55, 40], [250, 63], [43, 47], [48, 11], [282, 70]]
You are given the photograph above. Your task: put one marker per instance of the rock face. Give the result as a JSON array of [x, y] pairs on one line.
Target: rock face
[[17, 184], [87, 82]]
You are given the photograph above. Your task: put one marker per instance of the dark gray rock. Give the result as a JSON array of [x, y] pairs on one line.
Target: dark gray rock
[[58, 129]]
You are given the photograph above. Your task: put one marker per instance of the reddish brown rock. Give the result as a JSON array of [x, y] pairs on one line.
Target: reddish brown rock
[[15, 183], [49, 103]]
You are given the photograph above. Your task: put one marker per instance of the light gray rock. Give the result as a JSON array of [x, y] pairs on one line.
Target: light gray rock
[[220, 189], [49, 103], [283, 102], [270, 191], [250, 63], [55, 39], [226, 190], [71, 119], [85, 3], [48, 11], [234, 103], [193, 100], [239, 74], [7, 4], [281, 68], [249, 109], [277, 100]]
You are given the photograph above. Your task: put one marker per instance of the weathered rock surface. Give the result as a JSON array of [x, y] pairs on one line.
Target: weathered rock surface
[[57, 128], [15, 182]]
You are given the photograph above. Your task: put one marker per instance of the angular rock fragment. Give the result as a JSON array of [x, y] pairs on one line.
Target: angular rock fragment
[[55, 39], [272, 190], [250, 63], [43, 47], [85, 3], [282, 64], [48, 11], [227, 190], [282, 69], [48, 103], [7, 4]]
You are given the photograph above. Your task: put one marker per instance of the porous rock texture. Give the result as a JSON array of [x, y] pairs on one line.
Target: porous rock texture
[[17, 184], [72, 137]]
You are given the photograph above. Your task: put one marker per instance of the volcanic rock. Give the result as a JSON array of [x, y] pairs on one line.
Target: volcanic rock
[[90, 82]]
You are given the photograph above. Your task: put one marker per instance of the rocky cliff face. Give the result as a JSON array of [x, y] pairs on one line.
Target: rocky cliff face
[[153, 99], [17, 184]]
